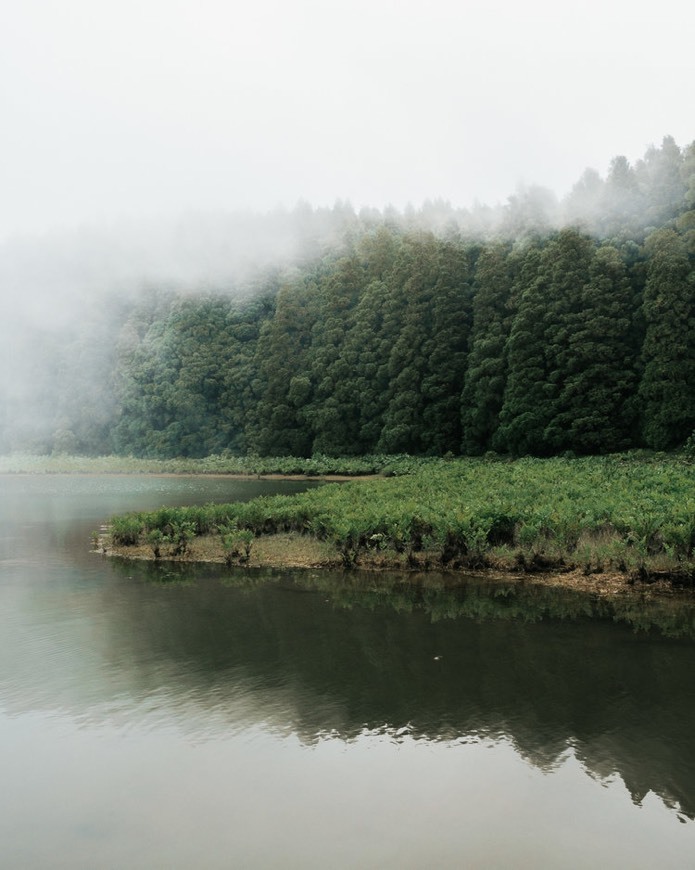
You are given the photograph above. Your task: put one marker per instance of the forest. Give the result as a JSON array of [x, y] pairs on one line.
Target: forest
[[537, 328]]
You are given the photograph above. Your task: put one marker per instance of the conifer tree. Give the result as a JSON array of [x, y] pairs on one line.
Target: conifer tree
[[485, 378], [595, 411], [331, 416], [522, 415], [447, 351], [408, 322], [667, 390], [540, 356], [622, 205], [660, 177], [281, 387], [426, 362]]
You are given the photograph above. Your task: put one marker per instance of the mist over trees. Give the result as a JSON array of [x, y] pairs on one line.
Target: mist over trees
[[536, 327]]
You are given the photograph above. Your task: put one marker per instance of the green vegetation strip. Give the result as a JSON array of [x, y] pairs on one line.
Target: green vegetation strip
[[317, 465], [620, 513]]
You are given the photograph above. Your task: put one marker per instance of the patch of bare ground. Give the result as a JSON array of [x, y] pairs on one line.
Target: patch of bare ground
[[288, 550]]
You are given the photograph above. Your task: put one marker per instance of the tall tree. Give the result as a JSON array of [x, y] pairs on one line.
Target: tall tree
[[667, 390], [622, 206], [183, 384], [447, 351], [330, 415], [281, 386], [595, 407], [540, 357], [427, 361], [522, 415], [486, 374], [660, 178], [582, 206]]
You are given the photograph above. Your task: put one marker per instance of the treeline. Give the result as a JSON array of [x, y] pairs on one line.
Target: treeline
[[415, 343], [519, 338], [422, 345]]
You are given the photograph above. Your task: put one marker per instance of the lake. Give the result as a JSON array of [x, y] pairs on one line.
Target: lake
[[197, 716]]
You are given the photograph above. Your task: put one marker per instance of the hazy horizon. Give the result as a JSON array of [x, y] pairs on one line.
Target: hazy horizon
[[147, 111]]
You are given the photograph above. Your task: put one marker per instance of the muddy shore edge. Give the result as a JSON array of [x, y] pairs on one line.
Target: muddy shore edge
[[294, 551]]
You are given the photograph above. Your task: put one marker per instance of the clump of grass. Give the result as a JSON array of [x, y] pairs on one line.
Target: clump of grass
[[156, 538], [127, 529], [236, 543]]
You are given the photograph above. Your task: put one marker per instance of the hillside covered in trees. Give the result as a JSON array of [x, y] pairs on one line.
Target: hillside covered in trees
[[534, 328]]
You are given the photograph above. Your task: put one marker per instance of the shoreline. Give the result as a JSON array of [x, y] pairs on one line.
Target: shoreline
[[606, 525], [298, 552], [237, 475]]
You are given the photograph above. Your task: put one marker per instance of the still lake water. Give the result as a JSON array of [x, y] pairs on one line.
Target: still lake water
[[153, 717]]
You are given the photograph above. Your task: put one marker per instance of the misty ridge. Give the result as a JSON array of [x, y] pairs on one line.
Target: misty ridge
[[248, 332]]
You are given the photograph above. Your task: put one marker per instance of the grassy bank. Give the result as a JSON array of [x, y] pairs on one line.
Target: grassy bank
[[630, 515], [316, 466]]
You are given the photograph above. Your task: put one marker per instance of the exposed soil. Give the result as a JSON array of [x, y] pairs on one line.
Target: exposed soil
[[268, 551], [292, 550]]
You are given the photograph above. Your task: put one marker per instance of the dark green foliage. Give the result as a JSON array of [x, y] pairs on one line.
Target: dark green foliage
[[426, 364], [409, 343], [571, 372], [525, 410], [330, 407], [447, 353], [486, 374], [185, 380], [668, 383], [275, 424], [596, 399], [391, 338], [366, 353], [236, 543]]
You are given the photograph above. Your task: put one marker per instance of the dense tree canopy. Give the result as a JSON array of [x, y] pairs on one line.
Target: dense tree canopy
[[516, 337]]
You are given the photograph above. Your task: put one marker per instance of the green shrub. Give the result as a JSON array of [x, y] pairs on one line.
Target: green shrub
[[126, 530]]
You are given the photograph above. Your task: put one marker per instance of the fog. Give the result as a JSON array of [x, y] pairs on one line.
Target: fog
[[154, 109], [198, 146]]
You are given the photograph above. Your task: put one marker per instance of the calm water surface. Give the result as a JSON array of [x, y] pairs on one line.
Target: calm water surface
[[155, 716]]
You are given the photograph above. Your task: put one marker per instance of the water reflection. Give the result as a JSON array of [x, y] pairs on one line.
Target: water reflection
[[339, 656], [340, 659], [351, 657]]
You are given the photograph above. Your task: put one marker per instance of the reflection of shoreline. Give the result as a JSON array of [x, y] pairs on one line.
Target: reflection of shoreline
[[203, 718], [288, 551], [332, 656], [483, 595]]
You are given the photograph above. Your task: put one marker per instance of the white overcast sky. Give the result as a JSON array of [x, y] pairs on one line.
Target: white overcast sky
[[139, 108]]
